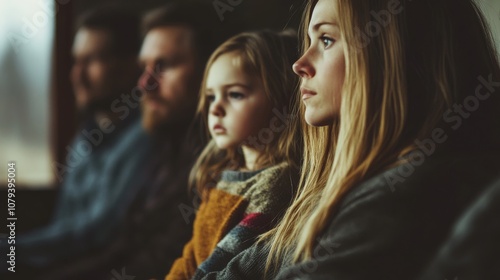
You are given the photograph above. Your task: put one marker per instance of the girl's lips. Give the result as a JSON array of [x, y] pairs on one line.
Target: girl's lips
[[306, 93], [219, 129]]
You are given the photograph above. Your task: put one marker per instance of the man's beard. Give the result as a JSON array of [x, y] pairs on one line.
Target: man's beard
[[153, 121], [163, 122]]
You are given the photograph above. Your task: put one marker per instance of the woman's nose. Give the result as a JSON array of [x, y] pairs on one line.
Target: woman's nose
[[303, 67]]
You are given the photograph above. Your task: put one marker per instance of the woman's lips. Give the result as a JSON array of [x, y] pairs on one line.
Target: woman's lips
[[306, 93]]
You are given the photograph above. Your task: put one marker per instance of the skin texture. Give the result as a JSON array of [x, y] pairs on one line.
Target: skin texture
[[238, 104], [322, 66], [98, 76], [170, 78]]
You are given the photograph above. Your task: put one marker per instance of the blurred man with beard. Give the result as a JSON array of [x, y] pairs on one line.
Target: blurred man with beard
[[101, 176], [178, 40], [171, 75]]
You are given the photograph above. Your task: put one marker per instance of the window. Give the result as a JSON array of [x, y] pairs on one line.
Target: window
[[25, 84]]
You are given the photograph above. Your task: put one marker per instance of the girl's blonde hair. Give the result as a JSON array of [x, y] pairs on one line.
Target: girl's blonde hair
[[268, 57], [397, 87]]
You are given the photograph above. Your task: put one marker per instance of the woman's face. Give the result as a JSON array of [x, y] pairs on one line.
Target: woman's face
[[322, 66]]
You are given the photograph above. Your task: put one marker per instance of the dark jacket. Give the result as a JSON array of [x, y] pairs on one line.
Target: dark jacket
[[387, 227], [473, 249]]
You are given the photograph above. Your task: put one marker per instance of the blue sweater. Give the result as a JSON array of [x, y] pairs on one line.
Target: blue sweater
[[96, 192]]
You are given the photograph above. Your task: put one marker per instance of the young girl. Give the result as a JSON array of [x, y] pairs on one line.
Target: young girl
[[401, 105], [247, 97]]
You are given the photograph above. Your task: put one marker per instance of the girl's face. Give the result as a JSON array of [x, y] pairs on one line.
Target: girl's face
[[322, 66], [238, 105]]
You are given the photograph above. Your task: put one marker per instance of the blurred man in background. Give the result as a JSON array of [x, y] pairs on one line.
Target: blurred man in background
[[101, 176]]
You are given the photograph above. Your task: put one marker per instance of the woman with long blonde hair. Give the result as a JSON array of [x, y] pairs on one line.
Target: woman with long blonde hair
[[401, 114]]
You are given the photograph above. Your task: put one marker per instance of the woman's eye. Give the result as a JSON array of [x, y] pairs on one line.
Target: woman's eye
[[236, 95], [326, 41]]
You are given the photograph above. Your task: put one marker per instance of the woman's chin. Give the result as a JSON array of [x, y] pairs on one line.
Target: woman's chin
[[313, 119]]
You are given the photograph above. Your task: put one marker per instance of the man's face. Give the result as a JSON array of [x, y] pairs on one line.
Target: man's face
[[98, 76], [170, 78]]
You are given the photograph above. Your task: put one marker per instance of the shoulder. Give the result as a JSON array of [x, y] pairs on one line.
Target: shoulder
[[435, 178], [273, 188], [431, 194], [391, 227], [134, 133], [278, 175], [472, 248]]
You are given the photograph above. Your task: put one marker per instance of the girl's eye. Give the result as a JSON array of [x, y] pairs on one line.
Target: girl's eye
[[210, 98], [236, 95], [326, 41]]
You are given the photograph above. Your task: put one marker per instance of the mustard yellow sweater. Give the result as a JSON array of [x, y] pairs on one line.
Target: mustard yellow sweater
[[242, 206]]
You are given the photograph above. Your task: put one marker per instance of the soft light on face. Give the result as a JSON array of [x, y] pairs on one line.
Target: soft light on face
[[238, 105], [322, 66], [169, 79]]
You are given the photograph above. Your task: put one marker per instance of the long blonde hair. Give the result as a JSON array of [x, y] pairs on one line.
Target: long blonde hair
[[267, 56], [396, 89]]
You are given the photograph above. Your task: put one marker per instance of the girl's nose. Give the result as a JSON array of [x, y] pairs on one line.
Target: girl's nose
[[217, 108]]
